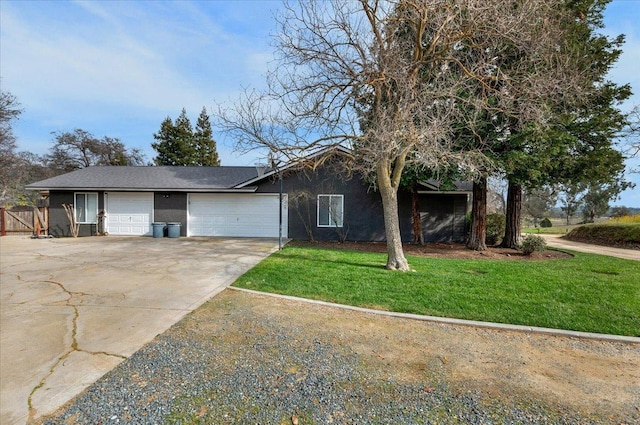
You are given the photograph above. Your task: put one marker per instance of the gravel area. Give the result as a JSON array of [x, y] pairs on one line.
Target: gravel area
[[250, 359]]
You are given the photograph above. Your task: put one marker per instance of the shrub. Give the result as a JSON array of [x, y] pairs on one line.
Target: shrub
[[494, 228], [533, 243], [546, 222], [624, 234]]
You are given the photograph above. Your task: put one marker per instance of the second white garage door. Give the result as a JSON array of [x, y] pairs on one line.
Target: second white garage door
[[236, 215], [129, 213]]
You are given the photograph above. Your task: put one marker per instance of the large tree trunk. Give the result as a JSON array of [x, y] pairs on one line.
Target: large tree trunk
[[417, 237], [389, 194], [477, 237], [512, 236]]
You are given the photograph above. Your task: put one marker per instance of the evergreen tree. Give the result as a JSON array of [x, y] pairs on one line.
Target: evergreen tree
[[206, 152], [577, 148], [595, 203], [178, 144], [167, 146]]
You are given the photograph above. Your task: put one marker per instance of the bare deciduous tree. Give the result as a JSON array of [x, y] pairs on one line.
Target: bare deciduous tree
[[301, 201], [79, 149], [74, 226], [394, 80], [539, 202]]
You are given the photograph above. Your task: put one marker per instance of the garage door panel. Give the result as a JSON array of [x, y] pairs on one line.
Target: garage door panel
[[139, 218], [129, 213], [235, 215]]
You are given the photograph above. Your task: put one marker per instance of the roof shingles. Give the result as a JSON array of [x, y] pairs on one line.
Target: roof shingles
[[149, 178]]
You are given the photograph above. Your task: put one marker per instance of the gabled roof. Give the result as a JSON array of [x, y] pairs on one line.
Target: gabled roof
[[166, 178], [296, 163], [193, 179], [150, 178]]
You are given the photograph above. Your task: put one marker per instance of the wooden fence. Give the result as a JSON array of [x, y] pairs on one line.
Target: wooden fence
[[24, 221]]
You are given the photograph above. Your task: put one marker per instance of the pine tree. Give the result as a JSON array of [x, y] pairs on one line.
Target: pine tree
[[205, 147], [167, 148], [178, 144], [184, 140], [578, 145]]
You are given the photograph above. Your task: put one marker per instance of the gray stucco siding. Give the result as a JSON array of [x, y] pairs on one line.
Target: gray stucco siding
[[443, 217], [362, 219], [443, 214], [171, 207], [58, 221], [363, 213]]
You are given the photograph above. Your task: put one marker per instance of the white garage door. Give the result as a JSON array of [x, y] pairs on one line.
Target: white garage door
[[236, 215], [129, 213]]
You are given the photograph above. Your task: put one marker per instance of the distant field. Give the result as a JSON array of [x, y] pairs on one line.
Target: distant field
[[627, 219], [561, 228], [555, 230]]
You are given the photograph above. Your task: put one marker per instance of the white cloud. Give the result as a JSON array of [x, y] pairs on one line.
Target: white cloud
[[119, 68], [149, 61]]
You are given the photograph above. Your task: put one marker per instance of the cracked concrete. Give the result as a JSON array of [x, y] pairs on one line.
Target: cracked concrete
[[72, 309], [58, 372]]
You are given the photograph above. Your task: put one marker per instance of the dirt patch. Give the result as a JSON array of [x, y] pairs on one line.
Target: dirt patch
[[599, 380], [252, 358], [442, 250]]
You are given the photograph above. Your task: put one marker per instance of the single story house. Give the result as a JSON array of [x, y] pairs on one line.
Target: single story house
[[230, 201]]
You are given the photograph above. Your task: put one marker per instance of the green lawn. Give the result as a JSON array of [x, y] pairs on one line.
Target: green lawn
[[589, 293], [555, 230], [563, 229]]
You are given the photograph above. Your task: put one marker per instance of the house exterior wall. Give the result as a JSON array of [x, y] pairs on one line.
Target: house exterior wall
[[363, 219], [171, 207], [443, 217], [58, 221]]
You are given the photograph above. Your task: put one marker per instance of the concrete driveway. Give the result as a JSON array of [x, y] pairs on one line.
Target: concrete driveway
[[72, 309]]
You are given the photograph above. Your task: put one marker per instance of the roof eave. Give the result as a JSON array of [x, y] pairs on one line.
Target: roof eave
[[444, 192], [143, 189]]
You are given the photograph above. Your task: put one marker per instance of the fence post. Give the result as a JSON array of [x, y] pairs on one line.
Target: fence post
[[36, 224], [3, 230], [39, 224]]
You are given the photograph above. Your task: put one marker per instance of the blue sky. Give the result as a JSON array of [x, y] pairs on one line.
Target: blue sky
[[118, 68]]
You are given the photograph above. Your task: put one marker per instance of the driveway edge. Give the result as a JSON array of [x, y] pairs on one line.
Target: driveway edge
[[461, 322], [558, 242]]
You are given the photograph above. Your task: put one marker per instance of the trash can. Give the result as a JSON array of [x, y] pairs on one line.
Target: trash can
[[158, 229], [173, 230]]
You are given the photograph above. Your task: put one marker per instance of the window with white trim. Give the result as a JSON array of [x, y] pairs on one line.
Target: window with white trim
[[330, 210], [86, 207]]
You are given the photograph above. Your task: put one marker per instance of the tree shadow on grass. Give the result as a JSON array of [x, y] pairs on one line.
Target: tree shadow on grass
[[302, 257]]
